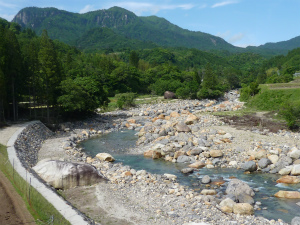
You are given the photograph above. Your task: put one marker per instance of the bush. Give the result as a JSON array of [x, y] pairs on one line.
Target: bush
[[291, 114], [125, 100], [208, 93]]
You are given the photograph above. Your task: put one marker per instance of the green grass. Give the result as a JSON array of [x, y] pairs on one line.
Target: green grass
[[38, 206], [272, 99]]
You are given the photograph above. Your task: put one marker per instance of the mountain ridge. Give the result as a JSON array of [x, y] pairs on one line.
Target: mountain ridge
[[71, 27], [121, 21]]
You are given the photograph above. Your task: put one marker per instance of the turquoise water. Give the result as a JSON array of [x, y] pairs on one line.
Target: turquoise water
[[117, 143]]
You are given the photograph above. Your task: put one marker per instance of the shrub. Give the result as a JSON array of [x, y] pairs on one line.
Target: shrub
[[125, 100], [291, 114]]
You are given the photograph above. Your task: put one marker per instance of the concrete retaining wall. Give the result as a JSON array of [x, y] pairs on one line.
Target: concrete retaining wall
[[27, 151]]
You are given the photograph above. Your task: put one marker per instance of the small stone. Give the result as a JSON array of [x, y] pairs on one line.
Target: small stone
[[205, 180], [208, 192]]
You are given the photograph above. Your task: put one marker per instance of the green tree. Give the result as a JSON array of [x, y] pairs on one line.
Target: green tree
[[209, 87], [83, 94], [49, 71], [134, 59]]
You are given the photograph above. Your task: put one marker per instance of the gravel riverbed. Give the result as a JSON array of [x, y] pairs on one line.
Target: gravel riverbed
[[181, 131]]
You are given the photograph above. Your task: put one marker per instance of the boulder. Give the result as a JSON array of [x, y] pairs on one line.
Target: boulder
[[196, 151], [156, 155], [273, 158], [205, 180], [288, 180], [183, 159], [169, 95], [244, 198], [216, 153], [294, 153], [295, 221], [243, 209], [288, 194], [295, 170], [249, 166], [236, 187], [64, 175], [208, 192], [182, 127], [286, 170], [264, 162], [174, 114], [197, 165], [105, 157], [227, 202], [260, 154], [191, 119], [178, 153], [170, 176], [187, 170], [148, 153]]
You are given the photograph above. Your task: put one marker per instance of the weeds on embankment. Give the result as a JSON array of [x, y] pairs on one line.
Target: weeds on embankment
[[41, 210]]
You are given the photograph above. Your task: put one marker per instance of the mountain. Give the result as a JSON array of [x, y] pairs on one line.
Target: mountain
[[104, 38], [283, 45], [118, 28], [72, 27]]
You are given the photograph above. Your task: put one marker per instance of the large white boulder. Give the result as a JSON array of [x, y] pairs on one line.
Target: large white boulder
[[64, 175]]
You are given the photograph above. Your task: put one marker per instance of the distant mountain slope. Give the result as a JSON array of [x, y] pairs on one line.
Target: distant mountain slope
[[104, 38], [131, 31], [283, 45], [68, 27]]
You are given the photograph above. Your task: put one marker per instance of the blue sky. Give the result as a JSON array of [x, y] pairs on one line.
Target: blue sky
[[239, 22]]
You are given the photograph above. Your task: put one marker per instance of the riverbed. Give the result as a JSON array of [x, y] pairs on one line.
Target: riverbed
[[118, 143]]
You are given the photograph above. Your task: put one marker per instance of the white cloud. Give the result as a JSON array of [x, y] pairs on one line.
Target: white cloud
[[232, 38], [140, 7], [236, 38], [87, 8], [7, 5], [220, 4], [7, 16]]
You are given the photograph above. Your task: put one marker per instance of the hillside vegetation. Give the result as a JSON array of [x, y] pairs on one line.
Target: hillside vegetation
[[84, 31], [72, 27], [46, 79]]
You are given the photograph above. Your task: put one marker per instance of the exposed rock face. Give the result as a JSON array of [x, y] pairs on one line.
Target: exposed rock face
[[64, 175], [169, 95]]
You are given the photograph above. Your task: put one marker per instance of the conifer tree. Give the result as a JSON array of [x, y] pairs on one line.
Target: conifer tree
[[49, 71]]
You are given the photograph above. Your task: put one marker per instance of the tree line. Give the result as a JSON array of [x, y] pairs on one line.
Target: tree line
[[46, 79]]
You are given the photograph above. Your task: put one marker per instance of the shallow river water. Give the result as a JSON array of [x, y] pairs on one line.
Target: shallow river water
[[116, 144]]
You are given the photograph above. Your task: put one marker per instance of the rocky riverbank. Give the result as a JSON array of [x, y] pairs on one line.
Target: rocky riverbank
[[181, 131]]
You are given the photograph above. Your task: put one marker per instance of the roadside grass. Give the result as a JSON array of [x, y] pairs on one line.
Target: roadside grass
[[41, 210]]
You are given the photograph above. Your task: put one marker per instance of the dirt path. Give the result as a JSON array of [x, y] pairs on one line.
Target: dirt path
[[13, 210]]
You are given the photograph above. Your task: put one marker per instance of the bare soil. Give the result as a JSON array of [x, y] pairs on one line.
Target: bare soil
[[106, 211], [259, 121], [13, 210]]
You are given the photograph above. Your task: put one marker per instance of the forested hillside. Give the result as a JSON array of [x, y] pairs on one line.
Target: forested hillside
[[92, 32], [46, 79], [73, 28]]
